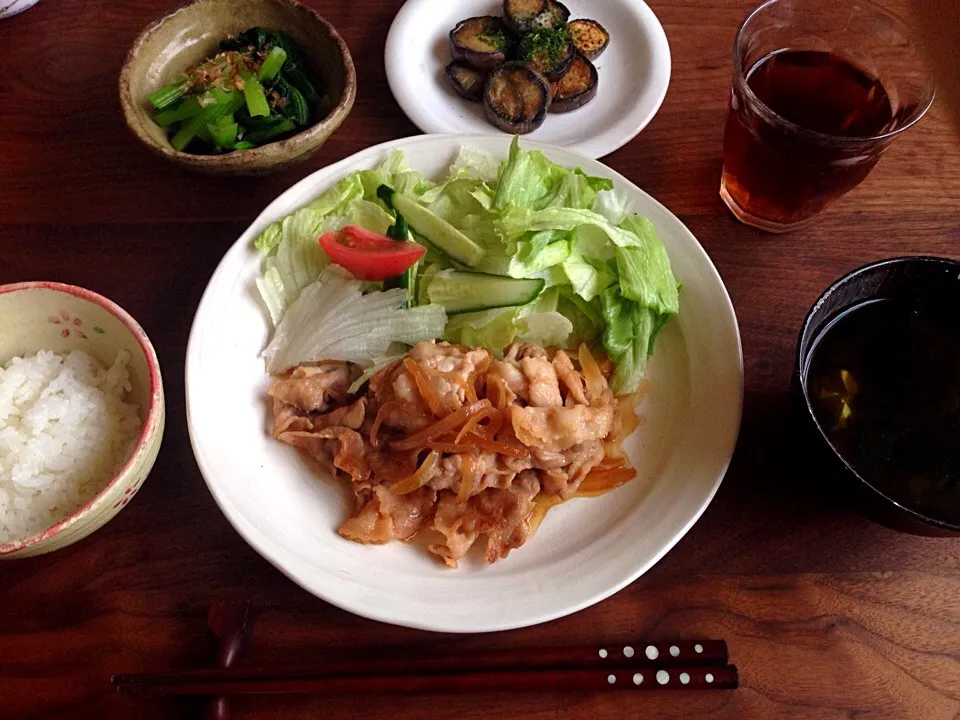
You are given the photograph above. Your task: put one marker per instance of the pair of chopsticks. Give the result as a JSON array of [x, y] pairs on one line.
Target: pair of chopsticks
[[686, 665]]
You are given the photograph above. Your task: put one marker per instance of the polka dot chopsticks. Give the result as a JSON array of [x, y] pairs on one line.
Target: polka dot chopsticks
[[678, 665]]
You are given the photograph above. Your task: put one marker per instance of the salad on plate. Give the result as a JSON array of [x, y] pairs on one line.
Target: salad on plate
[[467, 352]]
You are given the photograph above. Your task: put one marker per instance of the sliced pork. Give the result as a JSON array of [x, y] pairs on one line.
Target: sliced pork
[[454, 440]]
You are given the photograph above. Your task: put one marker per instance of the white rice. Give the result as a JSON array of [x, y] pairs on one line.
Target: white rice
[[65, 429]]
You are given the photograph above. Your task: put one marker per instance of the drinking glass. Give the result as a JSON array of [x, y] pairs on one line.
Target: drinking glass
[[821, 88]]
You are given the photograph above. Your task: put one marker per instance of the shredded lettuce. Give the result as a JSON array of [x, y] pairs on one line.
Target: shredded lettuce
[[394, 171], [294, 258], [576, 190], [539, 251], [333, 320], [546, 328], [526, 179], [588, 277], [297, 260], [628, 337], [614, 206], [476, 164], [492, 329], [586, 317], [530, 181], [394, 352], [336, 199], [457, 199], [367, 214], [268, 239], [608, 275], [644, 270], [516, 221], [271, 290]]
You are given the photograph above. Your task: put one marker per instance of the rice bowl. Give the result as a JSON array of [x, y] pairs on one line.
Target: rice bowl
[[64, 428], [80, 423]]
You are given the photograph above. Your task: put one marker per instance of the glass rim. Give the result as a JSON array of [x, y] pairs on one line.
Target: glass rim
[[770, 114]]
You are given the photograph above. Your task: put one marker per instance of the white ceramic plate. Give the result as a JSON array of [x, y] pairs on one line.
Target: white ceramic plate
[[9, 8], [586, 549], [634, 74]]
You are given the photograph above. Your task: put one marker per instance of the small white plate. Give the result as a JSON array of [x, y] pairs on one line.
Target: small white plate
[[584, 551], [634, 74], [9, 8]]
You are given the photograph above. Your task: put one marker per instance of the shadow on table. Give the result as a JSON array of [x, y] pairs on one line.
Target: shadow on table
[[772, 513]]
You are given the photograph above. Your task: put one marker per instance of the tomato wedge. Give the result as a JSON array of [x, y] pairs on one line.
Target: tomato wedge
[[369, 255]]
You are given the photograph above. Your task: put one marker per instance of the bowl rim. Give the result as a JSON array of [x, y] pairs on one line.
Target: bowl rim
[[243, 159], [798, 375], [152, 417]]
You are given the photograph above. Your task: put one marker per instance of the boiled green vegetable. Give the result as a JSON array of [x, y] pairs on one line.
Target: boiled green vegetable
[[181, 112], [224, 132], [226, 104], [272, 63], [168, 94], [262, 68], [294, 105]]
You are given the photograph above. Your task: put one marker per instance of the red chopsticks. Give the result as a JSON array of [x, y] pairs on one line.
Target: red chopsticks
[[686, 665]]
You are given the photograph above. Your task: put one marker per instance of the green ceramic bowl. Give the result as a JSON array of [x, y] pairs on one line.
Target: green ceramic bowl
[[192, 33], [52, 316]]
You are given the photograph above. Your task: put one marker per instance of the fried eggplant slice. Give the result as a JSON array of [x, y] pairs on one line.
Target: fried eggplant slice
[[519, 15], [588, 37], [548, 50], [516, 98], [466, 80], [554, 15], [480, 42], [576, 87]]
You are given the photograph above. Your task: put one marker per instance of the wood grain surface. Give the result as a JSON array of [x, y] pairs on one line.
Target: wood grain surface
[[827, 615]]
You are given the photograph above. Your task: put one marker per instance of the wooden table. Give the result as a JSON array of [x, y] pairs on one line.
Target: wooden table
[[827, 615]]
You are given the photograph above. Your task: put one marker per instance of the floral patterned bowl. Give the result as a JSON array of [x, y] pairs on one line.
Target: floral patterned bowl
[[57, 317]]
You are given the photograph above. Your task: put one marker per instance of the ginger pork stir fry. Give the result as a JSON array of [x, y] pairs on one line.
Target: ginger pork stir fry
[[457, 442]]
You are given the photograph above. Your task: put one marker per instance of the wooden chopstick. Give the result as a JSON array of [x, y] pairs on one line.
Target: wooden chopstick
[[699, 662], [688, 652], [698, 677]]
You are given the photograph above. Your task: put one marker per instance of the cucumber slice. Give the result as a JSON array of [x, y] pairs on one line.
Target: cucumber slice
[[461, 292], [423, 283], [438, 232], [408, 281]]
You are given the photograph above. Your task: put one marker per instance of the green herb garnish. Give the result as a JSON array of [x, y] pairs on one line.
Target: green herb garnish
[[545, 43], [495, 37]]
